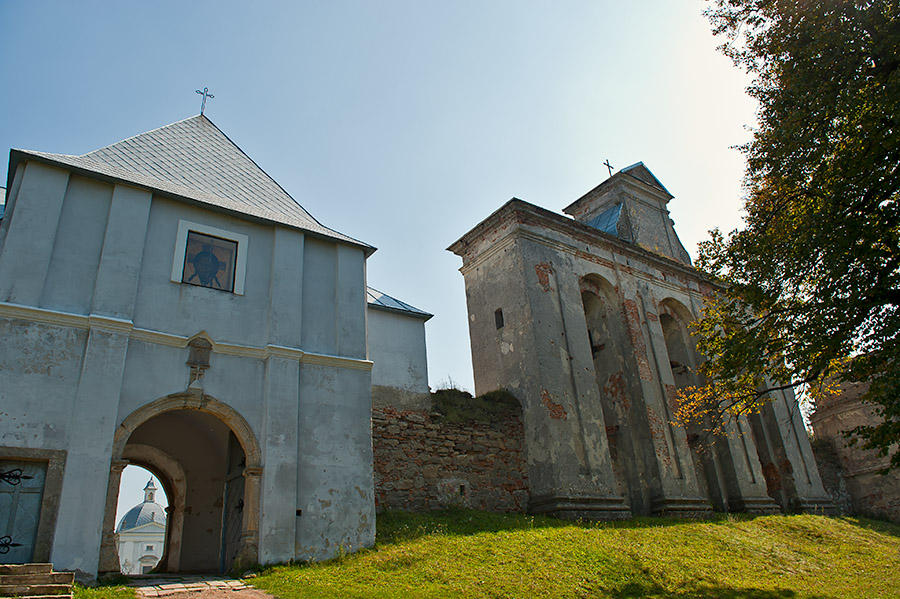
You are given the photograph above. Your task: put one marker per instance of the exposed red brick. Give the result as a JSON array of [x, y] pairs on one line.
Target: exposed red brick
[[615, 390], [420, 462], [633, 322], [557, 412], [543, 270]]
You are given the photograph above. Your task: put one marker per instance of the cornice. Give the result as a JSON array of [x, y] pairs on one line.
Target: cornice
[[512, 209], [522, 233], [109, 324], [125, 327], [336, 361]]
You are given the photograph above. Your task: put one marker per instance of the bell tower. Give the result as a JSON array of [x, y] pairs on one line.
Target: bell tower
[[150, 492], [631, 205]]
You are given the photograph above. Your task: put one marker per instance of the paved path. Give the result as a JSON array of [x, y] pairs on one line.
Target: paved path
[[194, 587]]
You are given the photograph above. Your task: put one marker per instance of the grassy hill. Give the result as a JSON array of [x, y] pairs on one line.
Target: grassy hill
[[474, 554]]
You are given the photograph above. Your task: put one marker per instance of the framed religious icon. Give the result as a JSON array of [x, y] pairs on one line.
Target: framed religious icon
[[209, 261]]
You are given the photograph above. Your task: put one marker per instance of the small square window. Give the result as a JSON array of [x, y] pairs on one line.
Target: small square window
[[209, 257], [149, 548], [209, 261]]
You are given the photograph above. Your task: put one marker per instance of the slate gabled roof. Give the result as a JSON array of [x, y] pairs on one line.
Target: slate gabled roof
[[385, 302], [194, 159]]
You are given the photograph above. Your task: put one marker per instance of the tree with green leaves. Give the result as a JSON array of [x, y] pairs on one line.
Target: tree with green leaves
[[810, 285]]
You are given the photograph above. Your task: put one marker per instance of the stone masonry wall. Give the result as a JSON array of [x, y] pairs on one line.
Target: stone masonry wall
[[833, 476], [428, 460], [871, 493]]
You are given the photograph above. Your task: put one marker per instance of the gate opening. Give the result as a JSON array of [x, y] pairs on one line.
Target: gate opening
[[141, 521]]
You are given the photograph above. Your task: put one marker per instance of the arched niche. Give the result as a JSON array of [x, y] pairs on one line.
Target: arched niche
[[621, 396], [207, 456], [711, 456], [675, 319]]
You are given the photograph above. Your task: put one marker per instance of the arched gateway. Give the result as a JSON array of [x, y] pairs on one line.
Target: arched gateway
[[208, 461]]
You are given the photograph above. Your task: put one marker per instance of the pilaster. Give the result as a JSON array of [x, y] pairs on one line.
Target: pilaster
[[680, 491], [281, 398], [28, 244], [76, 545], [748, 491], [570, 467], [120, 260], [810, 492]]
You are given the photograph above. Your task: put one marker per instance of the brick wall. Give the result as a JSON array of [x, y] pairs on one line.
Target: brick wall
[[425, 459]]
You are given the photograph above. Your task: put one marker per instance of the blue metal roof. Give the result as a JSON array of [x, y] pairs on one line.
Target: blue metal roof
[[383, 300], [142, 513], [607, 220]]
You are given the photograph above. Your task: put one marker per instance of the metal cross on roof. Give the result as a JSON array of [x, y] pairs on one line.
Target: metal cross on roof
[[205, 93], [606, 164]]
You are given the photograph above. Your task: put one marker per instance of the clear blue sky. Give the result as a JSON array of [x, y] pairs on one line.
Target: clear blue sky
[[403, 124]]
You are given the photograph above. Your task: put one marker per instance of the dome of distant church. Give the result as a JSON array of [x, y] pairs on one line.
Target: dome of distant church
[[144, 512]]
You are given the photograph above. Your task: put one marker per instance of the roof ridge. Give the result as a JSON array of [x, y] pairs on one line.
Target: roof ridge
[[139, 135], [262, 170]]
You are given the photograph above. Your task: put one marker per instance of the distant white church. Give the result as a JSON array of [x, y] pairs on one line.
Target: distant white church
[[166, 303], [141, 534]]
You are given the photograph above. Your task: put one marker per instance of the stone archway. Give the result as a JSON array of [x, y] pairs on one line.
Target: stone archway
[[225, 440]]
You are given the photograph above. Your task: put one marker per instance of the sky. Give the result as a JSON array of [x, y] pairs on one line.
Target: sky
[[131, 490], [402, 124]]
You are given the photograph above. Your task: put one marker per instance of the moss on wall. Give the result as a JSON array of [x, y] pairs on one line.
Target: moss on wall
[[457, 407]]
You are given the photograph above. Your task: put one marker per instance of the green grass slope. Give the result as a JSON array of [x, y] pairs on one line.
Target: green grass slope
[[475, 554]]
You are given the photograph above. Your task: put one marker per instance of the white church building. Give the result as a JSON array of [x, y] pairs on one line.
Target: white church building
[[141, 534], [165, 303]]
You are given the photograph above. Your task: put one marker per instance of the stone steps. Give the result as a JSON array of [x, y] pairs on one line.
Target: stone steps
[[33, 581], [26, 568], [48, 578]]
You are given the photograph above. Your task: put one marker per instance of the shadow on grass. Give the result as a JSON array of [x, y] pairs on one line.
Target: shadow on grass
[[882, 526], [633, 590], [395, 526]]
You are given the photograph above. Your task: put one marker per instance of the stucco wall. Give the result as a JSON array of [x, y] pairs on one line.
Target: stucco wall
[[397, 349], [94, 329], [133, 547]]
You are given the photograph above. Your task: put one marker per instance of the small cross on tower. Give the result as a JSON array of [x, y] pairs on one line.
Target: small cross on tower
[[205, 93], [609, 166]]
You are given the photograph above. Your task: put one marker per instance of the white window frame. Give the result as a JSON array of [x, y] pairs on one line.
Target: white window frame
[[240, 262]]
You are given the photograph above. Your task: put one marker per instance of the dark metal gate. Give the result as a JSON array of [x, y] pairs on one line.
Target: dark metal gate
[[21, 490]]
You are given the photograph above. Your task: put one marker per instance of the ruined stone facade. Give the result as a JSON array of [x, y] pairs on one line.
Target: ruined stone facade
[[853, 475], [585, 320]]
